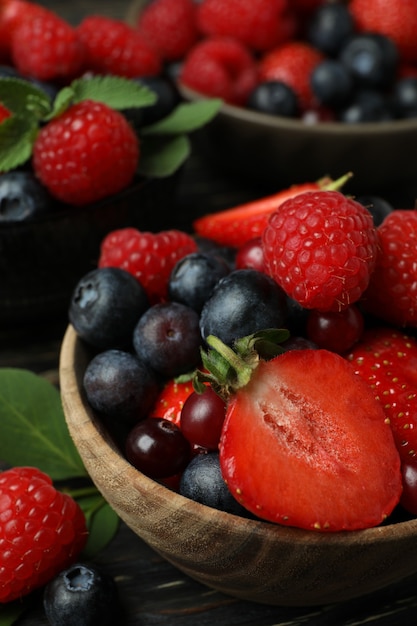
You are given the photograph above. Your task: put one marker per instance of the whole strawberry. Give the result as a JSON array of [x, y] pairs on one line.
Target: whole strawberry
[[87, 153], [391, 294], [321, 248], [42, 531]]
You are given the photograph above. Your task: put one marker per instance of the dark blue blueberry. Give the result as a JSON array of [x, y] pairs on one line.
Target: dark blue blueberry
[[120, 386], [167, 338], [167, 98], [371, 59], [82, 595], [22, 197], [329, 27], [202, 481], [377, 206], [242, 303], [208, 246], [367, 106], [105, 307], [274, 98], [194, 277], [404, 97], [331, 83]]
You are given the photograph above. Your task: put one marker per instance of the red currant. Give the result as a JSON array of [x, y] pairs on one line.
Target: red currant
[[409, 495], [202, 418], [251, 255], [337, 332]]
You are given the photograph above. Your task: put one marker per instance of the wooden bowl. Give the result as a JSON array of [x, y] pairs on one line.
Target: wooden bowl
[[247, 559]]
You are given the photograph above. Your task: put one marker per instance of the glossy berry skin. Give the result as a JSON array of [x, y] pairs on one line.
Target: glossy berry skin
[[42, 531], [194, 277], [171, 399], [367, 105], [274, 98], [202, 482], [251, 255], [379, 207], [242, 303], [329, 27], [335, 331], [157, 448], [120, 386], [332, 84], [409, 495], [22, 197], [404, 97], [371, 59], [82, 595], [167, 338], [202, 418], [321, 247], [106, 163], [105, 307]]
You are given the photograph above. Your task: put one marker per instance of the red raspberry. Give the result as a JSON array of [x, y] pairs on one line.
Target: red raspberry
[[170, 27], [149, 257], [321, 247], [46, 47], [392, 294], [258, 24], [113, 47], [42, 531], [12, 13], [220, 68], [292, 64], [396, 19], [86, 154]]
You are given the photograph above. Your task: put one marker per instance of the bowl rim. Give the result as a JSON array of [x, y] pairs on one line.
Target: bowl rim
[[72, 347]]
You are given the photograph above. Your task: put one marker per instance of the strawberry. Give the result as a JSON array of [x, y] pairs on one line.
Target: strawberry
[[170, 26], [113, 47], [321, 248], [220, 67], [48, 48], [171, 400], [386, 359], [391, 294], [12, 14], [258, 24], [304, 442], [292, 63], [240, 224], [149, 257], [42, 531], [396, 19], [76, 169]]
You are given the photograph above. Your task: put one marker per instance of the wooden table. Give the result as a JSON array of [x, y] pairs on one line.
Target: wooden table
[[151, 590]]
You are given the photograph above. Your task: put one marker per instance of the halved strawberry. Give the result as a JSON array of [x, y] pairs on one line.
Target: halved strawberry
[[304, 442], [387, 360], [238, 225]]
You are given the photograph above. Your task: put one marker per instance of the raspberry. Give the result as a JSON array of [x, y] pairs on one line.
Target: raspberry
[[293, 64], [321, 248], [170, 27], [391, 294], [149, 257], [42, 531], [86, 154], [222, 68], [113, 47], [258, 24], [12, 13], [46, 47]]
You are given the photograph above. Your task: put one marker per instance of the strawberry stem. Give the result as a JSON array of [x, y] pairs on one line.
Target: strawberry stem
[[241, 369]]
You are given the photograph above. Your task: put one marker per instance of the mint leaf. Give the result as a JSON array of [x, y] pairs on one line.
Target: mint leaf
[[23, 98], [63, 100], [115, 91], [162, 157], [102, 523], [185, 118], [33, 428], [17, 135]]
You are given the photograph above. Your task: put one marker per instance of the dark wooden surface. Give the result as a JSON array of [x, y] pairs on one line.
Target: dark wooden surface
[[152, 591]]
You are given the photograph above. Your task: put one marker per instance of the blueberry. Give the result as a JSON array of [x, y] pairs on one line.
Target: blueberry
[[331, 83], [167, 338], [82, 595], [274, 98], [367, 106], [404, 97], [372, 60], [202, 481], [194, 277], [167, 98], [22, 197], [329, 27], [377, 206], [208, 246], [105, 307], [242, 303], [120, 386]]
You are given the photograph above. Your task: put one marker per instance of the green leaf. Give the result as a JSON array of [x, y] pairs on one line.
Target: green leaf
[[185, 118], [23, 98], [63, 100], [163, 156], [33, 427], [115, 91], [102, 522], [17, 135]]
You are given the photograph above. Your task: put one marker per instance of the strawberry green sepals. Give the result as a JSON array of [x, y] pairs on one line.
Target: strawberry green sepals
[[165, 144], [229, 369]]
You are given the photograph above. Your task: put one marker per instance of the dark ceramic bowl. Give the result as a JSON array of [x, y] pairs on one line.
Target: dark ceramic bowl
[[42, 260]]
